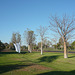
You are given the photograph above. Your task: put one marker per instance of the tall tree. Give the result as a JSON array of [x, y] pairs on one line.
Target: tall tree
[[42, 32], [30, 39], [64, 26], [16, 38]]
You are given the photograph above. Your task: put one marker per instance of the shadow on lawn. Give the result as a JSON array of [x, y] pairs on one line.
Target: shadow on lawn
[[4, 53], [59, 73], [72, 57], [12, 52], [7, 68], [48, 58]]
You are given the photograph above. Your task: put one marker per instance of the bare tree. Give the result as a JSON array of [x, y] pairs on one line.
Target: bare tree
[[65, 27], [42, 32], [30, 39]]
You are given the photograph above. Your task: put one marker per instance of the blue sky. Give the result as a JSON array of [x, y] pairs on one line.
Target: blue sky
[[18, 15]]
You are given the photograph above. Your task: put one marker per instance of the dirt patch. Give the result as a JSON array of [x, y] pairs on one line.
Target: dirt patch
[[16, 59], [36, 67]]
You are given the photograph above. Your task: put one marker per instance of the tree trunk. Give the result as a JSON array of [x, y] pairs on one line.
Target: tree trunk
[[65, 50], [41, 48], [30, 48]]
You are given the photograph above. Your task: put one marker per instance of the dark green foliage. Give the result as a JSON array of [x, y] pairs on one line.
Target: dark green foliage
[[73, 45], [35, 47], [11, 46], [55, 46], [39, 44], [2, 46], [23, 48], [46, 43], [60, 45], [6, 45]]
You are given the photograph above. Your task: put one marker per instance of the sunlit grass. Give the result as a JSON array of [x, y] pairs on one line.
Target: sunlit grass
[[12, 63]]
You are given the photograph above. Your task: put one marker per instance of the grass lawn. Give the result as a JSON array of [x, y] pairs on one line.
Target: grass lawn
[[12, 63]]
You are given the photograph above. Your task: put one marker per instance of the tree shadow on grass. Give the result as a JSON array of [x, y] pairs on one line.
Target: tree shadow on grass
[[48, 58], [7, 68], [59, 73], [72, 57], [5, 53], [12, 52]]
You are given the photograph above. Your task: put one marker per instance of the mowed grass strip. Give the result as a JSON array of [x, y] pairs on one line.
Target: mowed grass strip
[[12, 63]]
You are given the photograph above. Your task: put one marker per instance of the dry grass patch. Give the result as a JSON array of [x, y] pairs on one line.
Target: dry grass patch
[[36, 67]]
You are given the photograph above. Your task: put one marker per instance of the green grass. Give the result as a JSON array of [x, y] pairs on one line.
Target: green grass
[[12, 63], [53, 49]]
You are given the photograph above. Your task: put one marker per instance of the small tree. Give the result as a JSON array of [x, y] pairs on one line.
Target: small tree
[[73, 44], [6, 45], [24, 48], [16, 38], [11, 46], [30, 39], [47, 43], [54, 40], [65, 27], [42, 32], [60, 43]]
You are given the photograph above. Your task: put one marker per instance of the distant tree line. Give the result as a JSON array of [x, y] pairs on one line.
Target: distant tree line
[[60, 45], [2, 46], [35, 47]]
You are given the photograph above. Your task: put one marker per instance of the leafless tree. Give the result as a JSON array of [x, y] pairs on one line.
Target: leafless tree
[[42, 32], [64, 26]]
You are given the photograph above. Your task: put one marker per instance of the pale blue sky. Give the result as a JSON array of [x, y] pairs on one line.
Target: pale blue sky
[[18, 15]]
